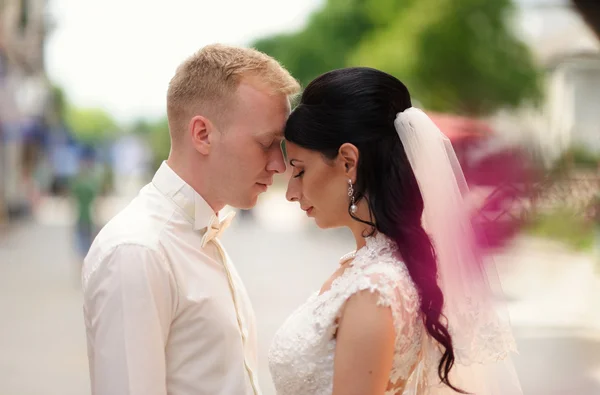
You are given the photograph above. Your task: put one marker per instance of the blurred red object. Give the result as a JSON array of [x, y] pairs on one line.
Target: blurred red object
[[459, 128], [467, 135], [499, 173]]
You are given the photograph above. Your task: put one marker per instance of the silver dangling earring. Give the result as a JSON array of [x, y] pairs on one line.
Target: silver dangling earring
[[353, 207]]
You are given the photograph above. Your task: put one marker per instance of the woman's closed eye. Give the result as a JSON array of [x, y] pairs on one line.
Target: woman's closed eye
[[299, 174]]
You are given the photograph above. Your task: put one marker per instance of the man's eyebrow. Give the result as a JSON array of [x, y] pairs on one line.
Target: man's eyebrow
[[278, 135], [275, 135]]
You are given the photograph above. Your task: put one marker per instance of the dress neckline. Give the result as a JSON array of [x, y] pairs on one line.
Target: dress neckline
[[374, 243]]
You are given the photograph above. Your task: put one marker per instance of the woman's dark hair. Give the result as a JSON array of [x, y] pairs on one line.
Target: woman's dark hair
[[359, 105]]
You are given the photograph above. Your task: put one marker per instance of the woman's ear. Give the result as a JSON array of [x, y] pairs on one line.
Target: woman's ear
[[348, 155]]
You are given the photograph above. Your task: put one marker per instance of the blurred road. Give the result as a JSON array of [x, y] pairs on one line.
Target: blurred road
[[554, 298]]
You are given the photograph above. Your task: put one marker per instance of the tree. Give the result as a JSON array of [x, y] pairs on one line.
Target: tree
[[325, 43], [454, 55], [90, 125]]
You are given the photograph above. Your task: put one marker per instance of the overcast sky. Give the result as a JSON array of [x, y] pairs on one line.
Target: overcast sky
[[120, 54]]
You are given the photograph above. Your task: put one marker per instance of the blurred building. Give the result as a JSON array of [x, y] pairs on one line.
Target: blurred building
[[569, 53], [24, 99], [574, 100]]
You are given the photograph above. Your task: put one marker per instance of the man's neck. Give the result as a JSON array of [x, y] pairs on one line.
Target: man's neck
[[190, 176]]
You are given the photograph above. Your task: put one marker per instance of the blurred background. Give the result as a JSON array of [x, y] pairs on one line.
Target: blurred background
[[515, 84]]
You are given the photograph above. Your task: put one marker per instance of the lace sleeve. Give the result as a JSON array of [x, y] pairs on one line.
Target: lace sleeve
[[393, 287], [395, 290]]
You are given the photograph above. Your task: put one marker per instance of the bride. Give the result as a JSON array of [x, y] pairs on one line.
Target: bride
[[412, 310]]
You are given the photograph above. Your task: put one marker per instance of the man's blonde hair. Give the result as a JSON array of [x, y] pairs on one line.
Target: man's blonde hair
[[206, 81]]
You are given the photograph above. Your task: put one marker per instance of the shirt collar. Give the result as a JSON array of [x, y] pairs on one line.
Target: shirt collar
[[184, 196]]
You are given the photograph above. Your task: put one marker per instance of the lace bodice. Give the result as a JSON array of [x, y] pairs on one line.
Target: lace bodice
[[302, 353]]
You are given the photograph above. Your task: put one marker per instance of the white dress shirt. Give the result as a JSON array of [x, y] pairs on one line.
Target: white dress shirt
[[165, 310]]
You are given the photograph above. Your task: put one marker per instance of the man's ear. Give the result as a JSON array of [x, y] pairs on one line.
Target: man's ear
[[201, 131], [348, 155]]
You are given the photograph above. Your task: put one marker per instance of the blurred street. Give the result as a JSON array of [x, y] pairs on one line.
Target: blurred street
[[282, 260]]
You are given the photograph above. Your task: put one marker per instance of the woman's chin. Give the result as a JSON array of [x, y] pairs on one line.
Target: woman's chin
[[319, 223], [326, 224]]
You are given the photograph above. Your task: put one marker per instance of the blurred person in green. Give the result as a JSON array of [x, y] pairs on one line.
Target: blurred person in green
[[85, 187]]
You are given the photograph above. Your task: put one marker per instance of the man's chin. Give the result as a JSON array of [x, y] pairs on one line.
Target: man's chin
[[247, 203]]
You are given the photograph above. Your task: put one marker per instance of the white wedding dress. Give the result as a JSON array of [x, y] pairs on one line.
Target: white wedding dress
[[302, 353]]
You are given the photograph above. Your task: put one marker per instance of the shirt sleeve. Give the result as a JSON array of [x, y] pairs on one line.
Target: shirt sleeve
[[128, 306]]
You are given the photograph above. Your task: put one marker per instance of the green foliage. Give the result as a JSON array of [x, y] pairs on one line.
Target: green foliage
[[325, 43], [90, 125], [59, 102], [454, 55], [578, 157], [566, 227]]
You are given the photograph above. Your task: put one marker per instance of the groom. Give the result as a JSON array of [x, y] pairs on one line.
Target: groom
[[165, 310]]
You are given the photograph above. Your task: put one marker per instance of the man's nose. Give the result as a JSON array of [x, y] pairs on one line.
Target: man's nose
[[276, 162]]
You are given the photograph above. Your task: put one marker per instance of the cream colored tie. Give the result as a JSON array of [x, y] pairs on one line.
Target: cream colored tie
[[216, 228], [213, 231]]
